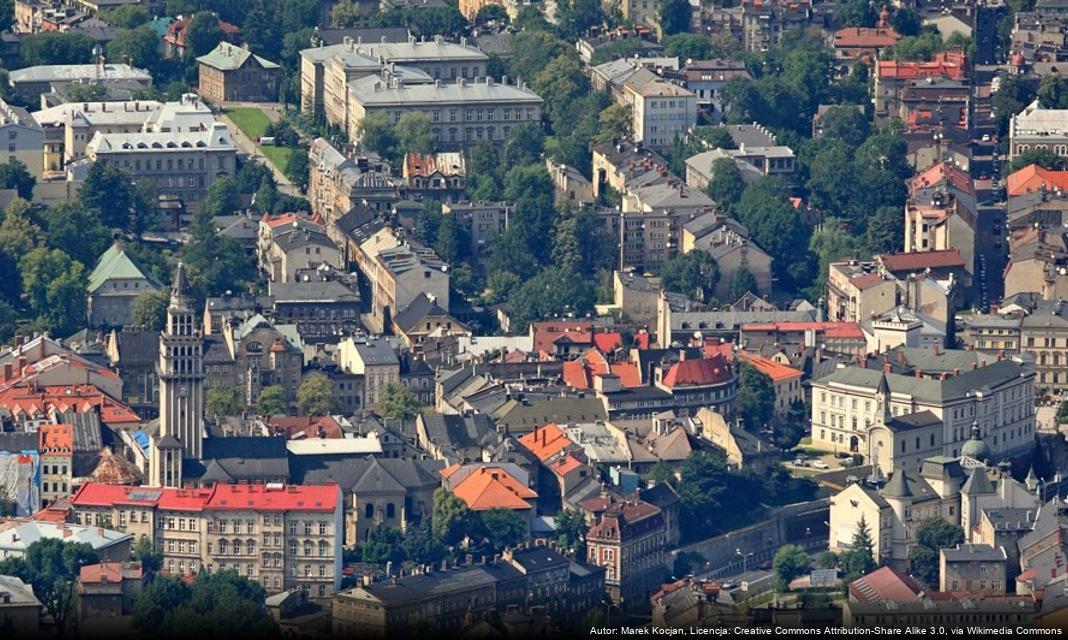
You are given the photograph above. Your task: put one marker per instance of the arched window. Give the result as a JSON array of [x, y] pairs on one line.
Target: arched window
[[324, 548], [369, 510], [307, 547]]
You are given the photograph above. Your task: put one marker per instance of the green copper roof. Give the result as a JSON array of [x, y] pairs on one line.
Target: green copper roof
[[116, 264], [228, 57]]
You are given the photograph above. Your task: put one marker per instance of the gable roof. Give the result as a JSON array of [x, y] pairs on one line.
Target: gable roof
[[1035, 178], [228, 57], [545, 442], [704, 371], [494, 488], [116, 264], [884, 585]]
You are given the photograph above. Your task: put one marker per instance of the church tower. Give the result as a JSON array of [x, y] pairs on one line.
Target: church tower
[[181, 388]]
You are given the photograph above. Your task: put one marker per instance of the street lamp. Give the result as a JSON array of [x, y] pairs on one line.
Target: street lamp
[[745, 560]]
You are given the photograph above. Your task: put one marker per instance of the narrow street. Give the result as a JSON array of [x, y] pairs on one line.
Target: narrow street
[[250, 148]]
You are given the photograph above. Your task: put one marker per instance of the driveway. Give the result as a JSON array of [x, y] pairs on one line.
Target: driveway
[[250, 148]]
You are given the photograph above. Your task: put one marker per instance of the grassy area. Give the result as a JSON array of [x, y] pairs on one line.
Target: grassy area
[[250, 120], [278, 156]]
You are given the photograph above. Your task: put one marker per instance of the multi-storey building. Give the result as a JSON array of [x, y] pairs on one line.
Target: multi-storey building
[[230, 73], [766, 22], [282, 536], [436, 58], [892, 77], [461, 112], [23, 137], [1036, 128], [114, 283], [30, 82], [481, 220], [376, 361], [183, 164], [975, 568], [629, 540], [958, 387], [56, 450], [660, 111], [341, 179]]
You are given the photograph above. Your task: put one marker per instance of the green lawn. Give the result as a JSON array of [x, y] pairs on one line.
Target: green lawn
[[250, 120], [278, 156]]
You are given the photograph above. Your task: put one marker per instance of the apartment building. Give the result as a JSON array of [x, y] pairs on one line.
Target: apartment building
[[341, 179], [481, 220], [461, 112], [435, 58], [757, 154], [55, 446], [230, 73], [69, 127], [856, 291], [660, 111], [282, 536], [893, 77], [30, 82], [766, 22], [975, 568], [1037, 128], [957, 387], [628, 538], [24, 138], [376, 361], [180, 164]]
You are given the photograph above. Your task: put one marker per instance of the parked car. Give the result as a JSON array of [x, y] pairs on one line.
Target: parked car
[[820, 464], [766, 565], [799, 461]]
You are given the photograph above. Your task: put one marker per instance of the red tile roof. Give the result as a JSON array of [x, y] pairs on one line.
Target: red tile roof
[[866, 280], [80, 398], [494, 488], [251, 497], [545, 442], [951, 64], [177, 30], [110, 572], [705, 371], [919, 260], [565, 464], [547, 333], [777, 372], [55, 439], [579, 374], [943, 172], [308, 426], [884, 585], [864, 38], [1032, 178], [608, 340]]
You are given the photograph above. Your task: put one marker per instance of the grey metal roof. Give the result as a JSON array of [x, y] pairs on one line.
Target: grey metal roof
[[974, 552], [242, 458], [373, 91], [329, 291], [377, 352], [927, 389], [348, 469]]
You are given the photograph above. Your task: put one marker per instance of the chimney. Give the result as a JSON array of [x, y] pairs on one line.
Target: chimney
[[918, 372]]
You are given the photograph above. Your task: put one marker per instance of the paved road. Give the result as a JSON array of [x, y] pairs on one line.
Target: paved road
[[247, 146]]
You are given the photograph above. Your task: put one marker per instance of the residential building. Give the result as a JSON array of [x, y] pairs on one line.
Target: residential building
[[892, 77], [462, 112], [341, 179], [757, 154], [846, 402], [974, 568], [20, 610], [174, 38], [435, 176], [1037, 128], [436, 58], [629, 540], [785, 380], [857, 292], [183, 164], [729, 244], [660, 112], [705, 79], [569, 183], [324, 311], [29, 82], [17, 534], [376, 361], [281, 536], [24, 138], [56, 451], [107, 590], [1037, 257], [114, 284], [864, 44], [230, 73], [481, 221], [766, 22], [636, 296], [424, 318], [486, 486], [456, 438], [290, 245]]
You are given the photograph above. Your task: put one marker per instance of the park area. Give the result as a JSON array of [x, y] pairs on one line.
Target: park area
[[255, 123]]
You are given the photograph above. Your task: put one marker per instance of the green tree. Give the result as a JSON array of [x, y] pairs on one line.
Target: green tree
[[918, 47], [15, 175], [712, 498], [575, 17], [846, 123], [216, 263], [18, 233], [791, 562], [827, 560], [615, 124], [776, 227], [161, 595], [491, 13], [726, 185], [693, 274], [55, 288], [860, 559], [1042, 157], [219, 605], [907, 21], [571, 531], [376, 133], [932, 536], [742, 282], [886, 231], [451, 520], [449, 242], [533, 50], [755, 397], [675, 16], [687, 46], [297, 169], [272, 401], [554, 291], [399, 403], [223, 402], [317, 396], [109, 192], [855, 13], [383, 544], [150, 311], [51, 568], [128, 16], [53, 47], [75, 230], [503, 528], [203, 34], [7, 14], [421, 546], [138, 46], [223, 197], [151, 560]]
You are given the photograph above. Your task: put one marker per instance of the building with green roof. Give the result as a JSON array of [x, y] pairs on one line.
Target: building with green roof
[[230, 73], [114, 283]]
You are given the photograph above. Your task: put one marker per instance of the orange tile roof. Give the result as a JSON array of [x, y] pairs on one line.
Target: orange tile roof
[[80, 398], [494, 488], [579, 373], [864, 38], [565, 464], [545, 442], [951, 64], [110, 572], [1032, 178], [55, 438], [628, 374], [705, 371], [309, 426], [943, 172], [608, 340], [777, 372]]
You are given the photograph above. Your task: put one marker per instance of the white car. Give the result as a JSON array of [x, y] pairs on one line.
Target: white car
[[820, 464]]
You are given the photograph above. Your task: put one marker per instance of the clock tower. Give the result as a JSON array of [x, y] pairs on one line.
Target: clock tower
[[181, 388]]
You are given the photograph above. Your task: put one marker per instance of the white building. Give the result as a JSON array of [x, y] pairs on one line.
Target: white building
[[1038, 128], [23, 137], [660, 111]]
